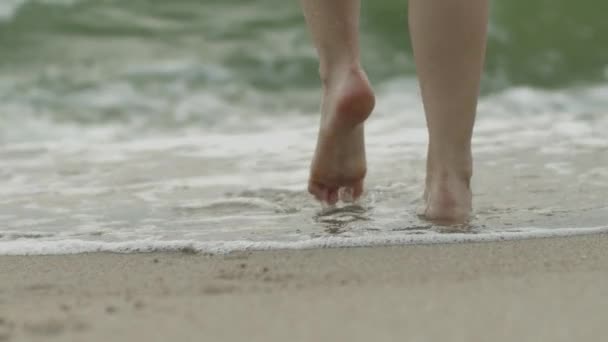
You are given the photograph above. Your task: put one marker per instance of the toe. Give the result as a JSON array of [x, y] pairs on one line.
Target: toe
[[357, 189], [332, 197], [346, 194], [318, 191], [323, 193]]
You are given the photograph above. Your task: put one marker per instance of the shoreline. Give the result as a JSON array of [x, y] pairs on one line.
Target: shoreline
[[539, 289], [75, 247]]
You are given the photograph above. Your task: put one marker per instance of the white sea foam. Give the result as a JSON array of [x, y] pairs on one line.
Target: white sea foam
[[8, 8], [67, 246], [240, 183]]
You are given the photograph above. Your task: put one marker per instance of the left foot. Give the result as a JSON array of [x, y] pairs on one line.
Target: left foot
[[339, 160]]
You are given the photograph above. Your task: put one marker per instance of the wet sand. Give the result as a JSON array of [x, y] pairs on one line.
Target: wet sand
[[531, 290]]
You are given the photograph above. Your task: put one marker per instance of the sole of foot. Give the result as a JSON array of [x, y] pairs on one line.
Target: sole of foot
[[338, 167]]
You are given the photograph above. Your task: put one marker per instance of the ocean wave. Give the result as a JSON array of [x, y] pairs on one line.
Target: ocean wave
[[9, 8], [114, 110], [266, 44]]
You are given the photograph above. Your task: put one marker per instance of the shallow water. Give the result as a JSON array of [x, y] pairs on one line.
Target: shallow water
[[146, 126]]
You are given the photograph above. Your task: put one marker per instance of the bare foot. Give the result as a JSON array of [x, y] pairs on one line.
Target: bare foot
[[339, 160], [447, 199]]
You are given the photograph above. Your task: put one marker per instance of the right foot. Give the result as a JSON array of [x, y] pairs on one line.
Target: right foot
[[447, 202], [339, 160], [447, 195]]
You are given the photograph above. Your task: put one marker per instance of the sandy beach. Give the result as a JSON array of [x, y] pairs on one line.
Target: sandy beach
[[530, 290]]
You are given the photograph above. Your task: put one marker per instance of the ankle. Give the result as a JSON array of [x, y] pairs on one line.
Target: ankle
[[449, 167], [333, 74]]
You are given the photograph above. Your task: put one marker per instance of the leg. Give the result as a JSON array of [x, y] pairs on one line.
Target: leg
[[339, 160], [448, 38]]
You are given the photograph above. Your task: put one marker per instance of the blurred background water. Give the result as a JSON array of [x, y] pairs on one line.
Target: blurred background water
[[194, 121]]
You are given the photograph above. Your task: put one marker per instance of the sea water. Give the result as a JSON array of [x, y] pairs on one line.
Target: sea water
[[132, 126]]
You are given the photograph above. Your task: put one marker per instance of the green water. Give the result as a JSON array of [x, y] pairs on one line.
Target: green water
[[545, 43]]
